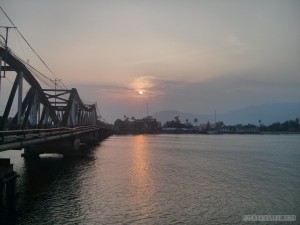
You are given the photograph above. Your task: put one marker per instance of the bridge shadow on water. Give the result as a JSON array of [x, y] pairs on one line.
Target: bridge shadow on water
[[42, 177]]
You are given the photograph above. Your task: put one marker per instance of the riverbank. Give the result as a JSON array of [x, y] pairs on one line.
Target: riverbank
[[201, 132]]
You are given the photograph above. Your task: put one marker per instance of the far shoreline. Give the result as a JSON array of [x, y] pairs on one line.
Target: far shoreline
[[201, 133]]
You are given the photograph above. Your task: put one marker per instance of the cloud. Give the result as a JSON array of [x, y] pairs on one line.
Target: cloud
[[226, 93], [151, 86], [236, 41], [222, 94], [105, 87]]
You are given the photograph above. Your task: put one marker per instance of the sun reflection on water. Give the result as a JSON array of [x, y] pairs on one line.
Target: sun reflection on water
[[140, 164], [141, 176]]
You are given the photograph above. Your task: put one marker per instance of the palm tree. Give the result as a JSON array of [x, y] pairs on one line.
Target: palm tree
[[220, 124], [195, 121], [177, 122]]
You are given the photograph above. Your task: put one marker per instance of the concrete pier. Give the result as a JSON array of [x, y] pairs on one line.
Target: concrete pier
[[68, 146], [8, 194]]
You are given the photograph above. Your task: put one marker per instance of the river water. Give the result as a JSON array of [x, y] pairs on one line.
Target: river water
[[163, 179]]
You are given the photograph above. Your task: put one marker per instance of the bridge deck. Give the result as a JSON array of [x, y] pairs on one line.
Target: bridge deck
[[18, 139]]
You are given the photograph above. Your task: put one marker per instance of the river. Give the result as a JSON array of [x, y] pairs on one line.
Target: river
[[163, 179]]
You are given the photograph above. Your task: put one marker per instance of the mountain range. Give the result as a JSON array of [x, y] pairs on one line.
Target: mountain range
[[267, 113]]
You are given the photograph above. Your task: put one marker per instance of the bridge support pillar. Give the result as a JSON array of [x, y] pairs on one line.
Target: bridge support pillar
[[71, 148], [8, 193], [30, 153], [91, 138], [66, 147]]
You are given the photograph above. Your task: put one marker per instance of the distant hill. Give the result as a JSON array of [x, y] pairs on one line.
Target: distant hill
[[164, 116], [267, 113]]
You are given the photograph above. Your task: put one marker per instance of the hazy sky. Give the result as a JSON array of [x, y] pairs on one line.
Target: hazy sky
[[191, 56]]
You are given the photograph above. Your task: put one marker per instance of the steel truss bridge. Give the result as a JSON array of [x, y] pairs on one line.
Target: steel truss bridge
[[43, 115]]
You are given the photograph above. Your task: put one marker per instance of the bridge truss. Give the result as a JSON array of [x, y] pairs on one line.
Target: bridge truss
[[40, 108]]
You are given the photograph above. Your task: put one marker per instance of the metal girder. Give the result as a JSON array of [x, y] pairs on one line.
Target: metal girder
[[44, 107], [9, 102], [24, 106], [19, 67], [75, 112], [7, 68]]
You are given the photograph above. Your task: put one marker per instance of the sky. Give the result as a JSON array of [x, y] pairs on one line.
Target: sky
[[193, 56]]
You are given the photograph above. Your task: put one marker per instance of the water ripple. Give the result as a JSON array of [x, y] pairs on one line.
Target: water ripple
[[164, 179]]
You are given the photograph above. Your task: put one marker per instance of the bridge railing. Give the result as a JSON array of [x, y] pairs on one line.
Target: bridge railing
[[16, 139]]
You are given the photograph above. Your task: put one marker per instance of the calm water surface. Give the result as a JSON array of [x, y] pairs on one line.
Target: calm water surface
[[163, 179]]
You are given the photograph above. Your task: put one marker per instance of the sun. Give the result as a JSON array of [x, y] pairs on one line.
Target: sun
[[141, 92]]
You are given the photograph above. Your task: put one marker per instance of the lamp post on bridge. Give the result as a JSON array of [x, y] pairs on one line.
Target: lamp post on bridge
[[55, 81]]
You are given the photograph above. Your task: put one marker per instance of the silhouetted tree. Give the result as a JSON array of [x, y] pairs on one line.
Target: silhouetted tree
[[176, 123], [259, 123], [219, 124], [121, 125], [195, 121]]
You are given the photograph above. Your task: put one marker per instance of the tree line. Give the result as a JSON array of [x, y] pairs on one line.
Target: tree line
[[133, 124], [137, 125], [287, 126]]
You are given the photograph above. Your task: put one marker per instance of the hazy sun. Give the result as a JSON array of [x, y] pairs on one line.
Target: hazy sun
[[141, 92]]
